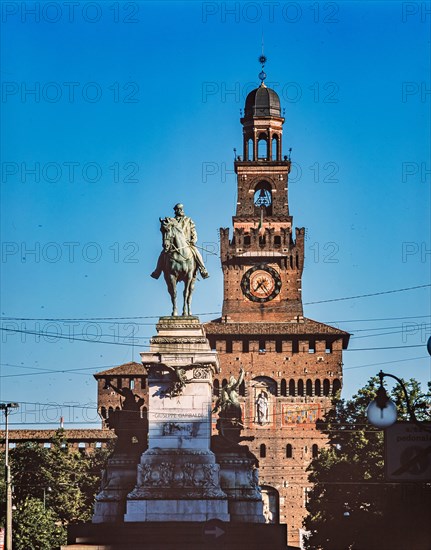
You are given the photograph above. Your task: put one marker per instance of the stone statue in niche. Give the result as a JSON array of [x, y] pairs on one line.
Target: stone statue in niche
[[262, 408]]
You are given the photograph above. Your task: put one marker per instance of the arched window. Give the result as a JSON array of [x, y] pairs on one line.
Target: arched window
[[289, 451], [262, 147], [326, 387], [262, 450], [241, 389], [216, 387], [224, 383], [249, 150], [283, 388], [274, 148], [103, 412], [336, 386], [300, 387], [317, 388], [315, 451], [292, 387], [309, 388]]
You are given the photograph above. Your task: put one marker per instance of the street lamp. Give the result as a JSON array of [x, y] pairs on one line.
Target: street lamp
[[6, 407], [382, 411]]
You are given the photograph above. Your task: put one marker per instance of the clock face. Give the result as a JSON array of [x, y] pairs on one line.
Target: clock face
[[261, 283]]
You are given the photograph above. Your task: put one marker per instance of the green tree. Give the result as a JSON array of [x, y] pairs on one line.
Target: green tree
[[60, 480], [36, 528], [350, 505]]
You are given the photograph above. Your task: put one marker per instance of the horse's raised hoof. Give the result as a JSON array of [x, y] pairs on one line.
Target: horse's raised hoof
[[155, 275], [204, 274]]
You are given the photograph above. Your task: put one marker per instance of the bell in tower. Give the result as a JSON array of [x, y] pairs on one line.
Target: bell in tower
[[262, 171]]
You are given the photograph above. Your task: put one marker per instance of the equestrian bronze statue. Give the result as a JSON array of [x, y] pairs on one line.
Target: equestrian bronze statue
[[179, 260]]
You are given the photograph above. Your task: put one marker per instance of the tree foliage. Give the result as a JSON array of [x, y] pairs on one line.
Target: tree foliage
[[36, 528], [51, 487], [350, 505]]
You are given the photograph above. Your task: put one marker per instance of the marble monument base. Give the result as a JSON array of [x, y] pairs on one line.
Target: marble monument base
[[177, 485], [239, 480], [178, 478]]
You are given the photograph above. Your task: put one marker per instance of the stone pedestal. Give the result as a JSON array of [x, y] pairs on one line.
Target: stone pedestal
[[239, 480], [119, 477], [178, 478]]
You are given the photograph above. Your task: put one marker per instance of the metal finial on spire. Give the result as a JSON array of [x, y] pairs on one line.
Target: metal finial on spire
[[262, 61]]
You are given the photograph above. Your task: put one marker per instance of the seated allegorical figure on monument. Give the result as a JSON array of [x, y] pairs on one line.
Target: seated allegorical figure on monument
[[228, 395], [188, 228]]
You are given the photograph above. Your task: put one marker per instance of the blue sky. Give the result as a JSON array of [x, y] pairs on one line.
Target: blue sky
[[136, 107]]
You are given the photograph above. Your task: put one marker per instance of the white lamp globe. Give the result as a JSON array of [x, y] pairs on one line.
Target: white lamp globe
[[382, 417]]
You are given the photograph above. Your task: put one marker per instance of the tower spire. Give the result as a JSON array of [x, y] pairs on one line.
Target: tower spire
[[262, 61]]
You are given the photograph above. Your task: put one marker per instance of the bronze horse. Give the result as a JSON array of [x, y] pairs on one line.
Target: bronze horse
[[179, 263]]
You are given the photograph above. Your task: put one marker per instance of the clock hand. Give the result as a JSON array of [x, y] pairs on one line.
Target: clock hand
[[258, 286]]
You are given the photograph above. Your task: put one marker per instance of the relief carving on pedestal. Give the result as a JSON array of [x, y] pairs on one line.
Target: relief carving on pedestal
[[201, 373], [195, 480]]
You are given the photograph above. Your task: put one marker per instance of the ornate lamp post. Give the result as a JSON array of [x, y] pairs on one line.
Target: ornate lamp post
[[382, 411], [6, 408]]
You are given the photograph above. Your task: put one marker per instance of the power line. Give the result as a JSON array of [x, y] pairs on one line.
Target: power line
[[8, 318], [147, 345], [381, 319], [402, 331], [48, 335], [98, 368], [388, 347], [367, 295], [354, 331], [386, 363]]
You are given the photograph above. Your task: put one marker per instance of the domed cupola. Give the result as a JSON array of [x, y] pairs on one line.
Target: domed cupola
[[262, 102], [262, 123]]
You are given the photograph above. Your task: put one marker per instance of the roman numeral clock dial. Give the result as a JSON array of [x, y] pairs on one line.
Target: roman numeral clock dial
[[261, 283]]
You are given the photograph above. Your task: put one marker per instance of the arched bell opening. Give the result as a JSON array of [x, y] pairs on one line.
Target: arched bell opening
[[275, 147], [263, 199], [262, 147]]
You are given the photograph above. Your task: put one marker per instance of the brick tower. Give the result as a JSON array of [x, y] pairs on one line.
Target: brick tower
[[293, 364]]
